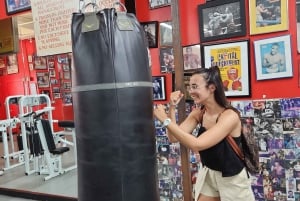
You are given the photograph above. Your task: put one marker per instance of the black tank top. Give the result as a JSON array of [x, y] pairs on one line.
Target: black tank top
[[221, 157]]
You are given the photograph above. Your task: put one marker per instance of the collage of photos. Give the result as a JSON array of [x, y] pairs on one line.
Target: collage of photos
[[275, 123], [53, 76]]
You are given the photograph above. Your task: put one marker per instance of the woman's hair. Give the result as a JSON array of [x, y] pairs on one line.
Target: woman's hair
[[212, 76]]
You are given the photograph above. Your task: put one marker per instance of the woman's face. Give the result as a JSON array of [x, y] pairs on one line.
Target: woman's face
[[198, 89]]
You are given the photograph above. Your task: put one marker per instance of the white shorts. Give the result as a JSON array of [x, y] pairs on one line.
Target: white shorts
[[211, 183]]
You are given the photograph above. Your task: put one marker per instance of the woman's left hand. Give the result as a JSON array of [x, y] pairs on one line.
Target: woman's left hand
[[160, 112]]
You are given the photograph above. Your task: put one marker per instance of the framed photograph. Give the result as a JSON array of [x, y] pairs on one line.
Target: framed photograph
[[273, 58], [67, 98], [159, 91], [232, 60], [12, 64], [186, 78], [56, 95], [191, 57], [158, 3], [67, 75], [15, 6], [50, 62], [40, 63], [268, 16], [166, 60], [52, 72], [151, 33], [43, 79], [166, 35], [221, 19], [67, 85]]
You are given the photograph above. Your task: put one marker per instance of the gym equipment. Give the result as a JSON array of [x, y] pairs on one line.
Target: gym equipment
[[112, 100], [42, 156], [9, 151]]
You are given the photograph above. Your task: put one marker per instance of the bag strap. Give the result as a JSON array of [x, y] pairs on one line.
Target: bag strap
[[235, 147]]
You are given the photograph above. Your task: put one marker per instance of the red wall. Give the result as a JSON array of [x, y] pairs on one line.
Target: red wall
[[274, 88]]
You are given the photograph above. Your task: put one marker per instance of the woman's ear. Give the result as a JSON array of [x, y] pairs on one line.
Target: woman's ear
[[212, 87]]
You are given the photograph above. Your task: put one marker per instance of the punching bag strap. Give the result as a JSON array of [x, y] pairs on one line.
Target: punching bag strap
[[124, 23], [90, 22]]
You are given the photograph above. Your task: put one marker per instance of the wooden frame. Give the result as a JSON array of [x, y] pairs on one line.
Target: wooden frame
[[273, 58], [151, 33], [16, 6], [268, 16], [159, 89], [221, 19], [158, 3], [191, 57], [232, 59]]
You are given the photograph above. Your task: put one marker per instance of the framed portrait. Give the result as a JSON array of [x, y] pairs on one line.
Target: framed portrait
[[273, 58], [151, 33], [50, 62], [268, 16], [12, 64], [232, 60], [158, 3], [166, 35], [159, 91], [221, 20], [67, 85], [15, 6], [166, 60], [191, 57], [43, 79], [67, 98], [40, 63], [186, 79]]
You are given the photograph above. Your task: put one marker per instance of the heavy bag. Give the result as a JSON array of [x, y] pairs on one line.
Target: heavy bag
[[112, 97]]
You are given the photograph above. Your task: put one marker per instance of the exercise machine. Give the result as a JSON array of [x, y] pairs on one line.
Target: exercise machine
[[7, 126], [42, 156]]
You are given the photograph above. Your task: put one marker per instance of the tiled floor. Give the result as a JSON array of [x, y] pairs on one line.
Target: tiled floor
[[62, 185]]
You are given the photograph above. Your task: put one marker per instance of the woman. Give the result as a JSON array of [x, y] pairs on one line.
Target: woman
[[223, 176]]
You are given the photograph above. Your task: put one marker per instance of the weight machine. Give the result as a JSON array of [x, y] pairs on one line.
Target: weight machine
[[7, 127], [42, 156]]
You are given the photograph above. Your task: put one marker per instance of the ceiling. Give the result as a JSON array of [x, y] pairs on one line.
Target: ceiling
[[25, 25]]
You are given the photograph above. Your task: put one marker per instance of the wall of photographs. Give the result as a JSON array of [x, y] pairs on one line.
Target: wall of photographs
[[53, 75], [275, 123]]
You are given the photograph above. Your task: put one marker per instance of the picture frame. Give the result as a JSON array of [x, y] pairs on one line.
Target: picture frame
[[232, 60], [191, 57], [40, 63], [268, 16], [16, 6], [12, 64], [186, 80], [151, 33], [221, 20], [166, 35], [159, 90], [43, 79], [273, 58], [158, 3], [166, 60]]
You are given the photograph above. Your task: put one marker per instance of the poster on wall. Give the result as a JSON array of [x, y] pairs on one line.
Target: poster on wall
[[12, 64], [232, 60], [2, 62]]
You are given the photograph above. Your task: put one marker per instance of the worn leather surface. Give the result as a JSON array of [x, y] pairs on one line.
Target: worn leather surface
[[114, 127]]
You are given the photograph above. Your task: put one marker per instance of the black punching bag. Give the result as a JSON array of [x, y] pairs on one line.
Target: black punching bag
[[112, 97]]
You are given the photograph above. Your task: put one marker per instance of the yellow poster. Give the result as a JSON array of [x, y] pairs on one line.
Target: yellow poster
[[229, 62]]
